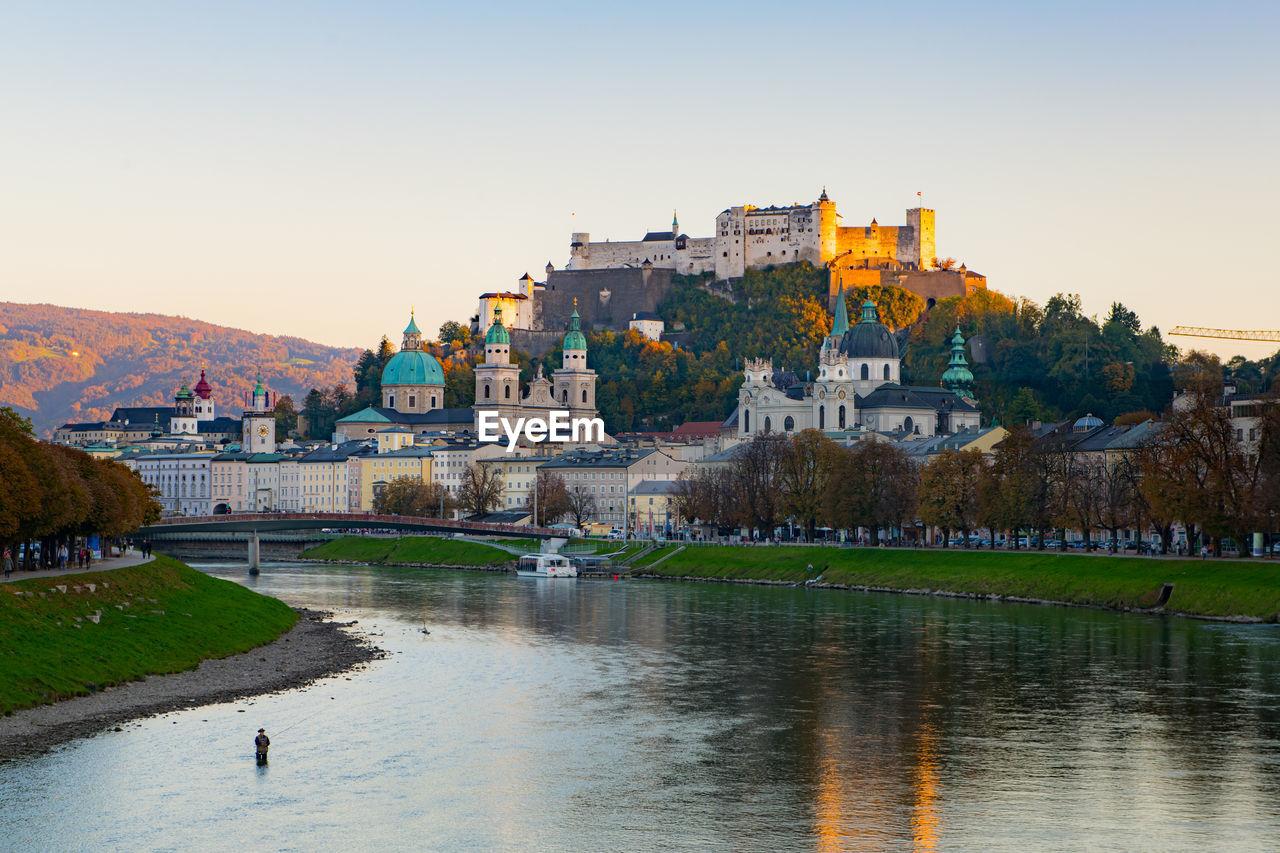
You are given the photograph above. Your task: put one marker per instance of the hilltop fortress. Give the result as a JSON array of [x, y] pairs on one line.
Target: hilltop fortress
[[616, 283]]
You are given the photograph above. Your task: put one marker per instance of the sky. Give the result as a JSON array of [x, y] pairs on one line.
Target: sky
[[316, 169]]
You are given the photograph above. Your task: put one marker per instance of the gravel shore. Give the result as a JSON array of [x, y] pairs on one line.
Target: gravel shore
[[313, 649]]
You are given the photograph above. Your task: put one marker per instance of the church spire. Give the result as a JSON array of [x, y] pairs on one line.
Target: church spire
[[412, 336], [958, 377], [840, 324], [675, 223]]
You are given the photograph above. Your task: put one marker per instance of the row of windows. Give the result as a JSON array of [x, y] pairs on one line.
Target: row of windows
[[789, 424]]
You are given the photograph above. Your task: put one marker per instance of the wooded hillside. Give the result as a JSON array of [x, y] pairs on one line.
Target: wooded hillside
[[70, 364]]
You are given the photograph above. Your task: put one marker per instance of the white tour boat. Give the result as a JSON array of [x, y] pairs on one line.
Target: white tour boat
[[545, 566]]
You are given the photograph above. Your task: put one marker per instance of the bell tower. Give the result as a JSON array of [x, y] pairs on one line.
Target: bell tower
[[574, 384], [258, 424], [497, 380]]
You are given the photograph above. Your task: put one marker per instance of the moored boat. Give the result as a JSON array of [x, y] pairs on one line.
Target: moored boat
[[545, 566]]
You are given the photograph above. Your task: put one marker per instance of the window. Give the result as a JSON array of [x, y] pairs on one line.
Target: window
[[584, 395], [842, 417], [822, 417], [789, 424], [746, 420], [508, 392], [767, 423], [391, 401], [486, 392], [886, 373], [433, 401], [413, 400], [866, 372]]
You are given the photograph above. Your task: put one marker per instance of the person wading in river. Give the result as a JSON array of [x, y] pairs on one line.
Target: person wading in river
[[260, 744]]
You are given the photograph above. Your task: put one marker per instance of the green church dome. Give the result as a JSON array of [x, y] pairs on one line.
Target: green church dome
[[497, 334], [575, 339], [869, 338], [412, 367]]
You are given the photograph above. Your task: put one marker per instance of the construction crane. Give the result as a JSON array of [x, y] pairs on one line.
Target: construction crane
[[1232, 334]]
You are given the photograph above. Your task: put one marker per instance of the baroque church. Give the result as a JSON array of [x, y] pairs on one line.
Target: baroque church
[[571, 387], [858, 387], [413, 387], [412, 395]]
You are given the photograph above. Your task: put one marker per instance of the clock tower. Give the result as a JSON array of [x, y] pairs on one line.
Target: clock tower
[[258, 427]]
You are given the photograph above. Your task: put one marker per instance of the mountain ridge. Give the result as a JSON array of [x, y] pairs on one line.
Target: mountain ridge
[[61, 364]]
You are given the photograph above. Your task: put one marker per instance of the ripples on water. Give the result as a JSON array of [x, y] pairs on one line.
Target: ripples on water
[[594, 715]]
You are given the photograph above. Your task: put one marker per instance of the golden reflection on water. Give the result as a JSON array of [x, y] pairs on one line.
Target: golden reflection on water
[[924, 782]]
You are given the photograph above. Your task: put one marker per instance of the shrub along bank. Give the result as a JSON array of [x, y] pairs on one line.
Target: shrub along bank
[[418, 550], [159, 617], [1218, 588]]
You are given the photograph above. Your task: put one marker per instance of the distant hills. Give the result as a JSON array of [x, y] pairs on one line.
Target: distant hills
[[70, 364]]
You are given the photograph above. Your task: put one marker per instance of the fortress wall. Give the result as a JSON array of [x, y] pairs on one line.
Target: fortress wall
[[927, 284], [629, 290], [881, 241], [661, 253], [535, 343]]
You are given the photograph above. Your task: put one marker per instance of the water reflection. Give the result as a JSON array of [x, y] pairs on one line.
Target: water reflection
[[639, 716]]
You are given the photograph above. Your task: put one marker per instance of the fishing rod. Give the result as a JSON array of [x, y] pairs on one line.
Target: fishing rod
[[298, 722]]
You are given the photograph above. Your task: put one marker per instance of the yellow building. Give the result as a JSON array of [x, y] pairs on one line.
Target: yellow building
[[377, 470], [517, 473], [652, 507]]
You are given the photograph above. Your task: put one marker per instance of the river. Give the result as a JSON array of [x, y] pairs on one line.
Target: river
[[634, 715]]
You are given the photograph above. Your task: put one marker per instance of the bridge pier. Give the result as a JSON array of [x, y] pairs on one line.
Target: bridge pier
[[255, 551]]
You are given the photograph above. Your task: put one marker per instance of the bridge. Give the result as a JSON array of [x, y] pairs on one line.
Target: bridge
[[255, 523]]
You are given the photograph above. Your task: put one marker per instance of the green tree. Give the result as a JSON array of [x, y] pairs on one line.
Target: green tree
[[805, 474], [949, 492]]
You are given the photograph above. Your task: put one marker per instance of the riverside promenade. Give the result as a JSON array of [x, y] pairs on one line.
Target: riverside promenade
[[130, 558]]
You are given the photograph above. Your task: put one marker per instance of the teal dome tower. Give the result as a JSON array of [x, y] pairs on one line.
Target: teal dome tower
[[413, 381], [958, 377]]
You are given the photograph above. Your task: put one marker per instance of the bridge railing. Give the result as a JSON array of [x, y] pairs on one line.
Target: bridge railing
[[343, 519]]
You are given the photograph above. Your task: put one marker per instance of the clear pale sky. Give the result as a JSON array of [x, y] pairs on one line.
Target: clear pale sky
[[314, 169]]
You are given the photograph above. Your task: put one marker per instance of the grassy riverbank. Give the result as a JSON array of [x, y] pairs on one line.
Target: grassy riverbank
[[1201, 587], [158, 617], [423, 550]]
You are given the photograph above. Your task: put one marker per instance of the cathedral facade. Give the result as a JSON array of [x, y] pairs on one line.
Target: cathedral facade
[[571, 387], [858, 386]]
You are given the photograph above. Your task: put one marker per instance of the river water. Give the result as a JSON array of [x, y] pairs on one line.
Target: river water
[[633, 715]]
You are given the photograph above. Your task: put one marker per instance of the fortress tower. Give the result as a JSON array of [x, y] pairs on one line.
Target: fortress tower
[[920, 220], [828, 222]]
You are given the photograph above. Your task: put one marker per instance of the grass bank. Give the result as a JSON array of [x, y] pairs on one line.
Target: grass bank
[[156, 618], [1216, 588], [420, 550]]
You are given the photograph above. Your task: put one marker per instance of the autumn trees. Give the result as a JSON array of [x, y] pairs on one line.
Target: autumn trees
[[51, 494], [950, 487], [481, 490], [550, 497], [411, 496]]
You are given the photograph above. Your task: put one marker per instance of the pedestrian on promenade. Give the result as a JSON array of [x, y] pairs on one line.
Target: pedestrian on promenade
[[8, 563], [62, 558], [88, 558]]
